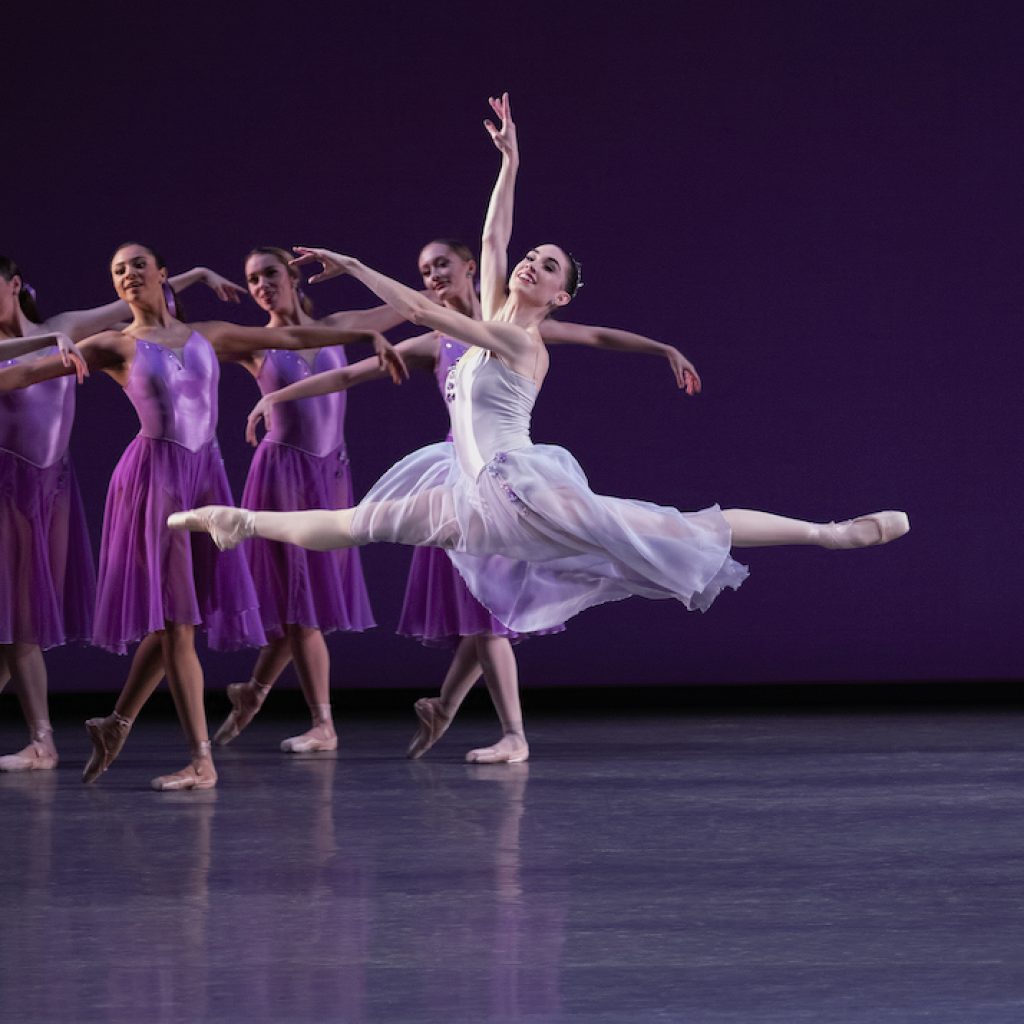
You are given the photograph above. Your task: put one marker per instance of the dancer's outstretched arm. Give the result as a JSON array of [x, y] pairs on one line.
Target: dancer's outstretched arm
[[84, 323], [105, 351], [419, 351], [505, 339], [558, 332], [234, 342], [12, 348], [498, 222]]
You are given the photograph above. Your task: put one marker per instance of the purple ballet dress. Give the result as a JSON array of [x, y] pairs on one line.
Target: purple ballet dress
[[300, 464], [47, 579], [533, 542], [438, 609], [149, 574]]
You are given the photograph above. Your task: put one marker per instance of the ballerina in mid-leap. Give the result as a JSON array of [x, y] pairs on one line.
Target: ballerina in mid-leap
[[534, 544]]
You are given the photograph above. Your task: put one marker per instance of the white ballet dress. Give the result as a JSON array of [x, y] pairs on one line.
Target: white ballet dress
[[534, 544]]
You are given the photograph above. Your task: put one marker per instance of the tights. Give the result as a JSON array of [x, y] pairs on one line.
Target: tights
[[323, 530]]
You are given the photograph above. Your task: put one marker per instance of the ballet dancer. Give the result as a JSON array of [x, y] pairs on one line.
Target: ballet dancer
[[151, 587], [533, 542], [47, 576], [438, 608], [302, 463]]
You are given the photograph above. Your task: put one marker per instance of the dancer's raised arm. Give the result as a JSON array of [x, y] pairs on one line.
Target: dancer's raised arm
[[498, 223]]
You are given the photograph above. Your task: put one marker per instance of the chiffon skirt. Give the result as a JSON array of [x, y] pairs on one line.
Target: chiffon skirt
[[47, 578], [322, 590], [149, 574], [536, 546], [439, 610]]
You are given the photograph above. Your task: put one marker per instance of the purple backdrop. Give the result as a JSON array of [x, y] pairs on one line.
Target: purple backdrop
[[820, 203]]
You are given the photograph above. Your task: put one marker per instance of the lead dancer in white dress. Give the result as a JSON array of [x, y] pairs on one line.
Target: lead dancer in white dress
[[534, 544]]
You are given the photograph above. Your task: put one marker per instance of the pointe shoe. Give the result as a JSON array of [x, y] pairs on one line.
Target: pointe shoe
[[200, 774], [867, 531], [108, 736], [433, 723], [35, 757], [318, 738], [507, 750], [227, 526], [246, 699]]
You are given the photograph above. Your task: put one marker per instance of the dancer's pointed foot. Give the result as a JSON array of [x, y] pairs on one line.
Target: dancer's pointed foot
[[246, 699], [37, 756], [866, 531], [321, 737], [433, 723], [226, 525], [512, 748], [108, 736], [200, 774]]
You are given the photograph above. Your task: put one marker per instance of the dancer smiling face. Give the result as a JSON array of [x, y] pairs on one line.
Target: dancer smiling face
[[543, 277]]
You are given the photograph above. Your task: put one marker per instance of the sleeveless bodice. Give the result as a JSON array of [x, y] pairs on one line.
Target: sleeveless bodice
[[449, 353], [35, 422], [315, 425], [490, 407], [175, 393]]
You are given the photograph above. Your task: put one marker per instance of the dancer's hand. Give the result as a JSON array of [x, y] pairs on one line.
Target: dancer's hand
[[504, 138], [225, 290], [685, 373], [390, 358], [70, 356], [334, 263], [260, 411]]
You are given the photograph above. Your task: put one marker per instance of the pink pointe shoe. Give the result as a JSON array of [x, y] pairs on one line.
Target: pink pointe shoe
[[866, 531], [510, 749], [246, 699], [200, 774], [321, 737], [226, 525], [433, 724], [38, 756], [108, 736]]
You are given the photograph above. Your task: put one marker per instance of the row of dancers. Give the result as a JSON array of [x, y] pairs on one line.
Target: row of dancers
[[510, 540]]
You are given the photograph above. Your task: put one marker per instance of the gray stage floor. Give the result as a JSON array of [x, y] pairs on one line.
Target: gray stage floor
[[825, 867]]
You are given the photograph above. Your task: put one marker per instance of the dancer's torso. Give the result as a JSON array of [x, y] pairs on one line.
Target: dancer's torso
[[175, 391], [490, 407], [315, 425], [35, 422]]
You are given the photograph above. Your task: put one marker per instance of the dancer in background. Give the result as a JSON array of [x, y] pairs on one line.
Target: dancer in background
[[152, 587], [438, 609], [47, 577], [303, 463], [533, 542]]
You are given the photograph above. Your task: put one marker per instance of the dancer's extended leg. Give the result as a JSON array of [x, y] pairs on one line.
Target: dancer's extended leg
[[502, 677], [28, 670], [752, 529], [313, 667], [316, 529]]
